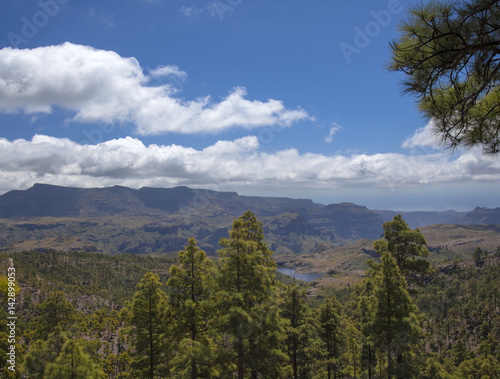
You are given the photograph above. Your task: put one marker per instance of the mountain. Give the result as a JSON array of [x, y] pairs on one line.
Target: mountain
[[478, 216], [150, 220], [349, 220], [156, 220], [44, 200], [422, 218], [482, 216]]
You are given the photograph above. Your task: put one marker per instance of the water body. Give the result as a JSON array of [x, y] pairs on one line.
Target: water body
[[306, 277]]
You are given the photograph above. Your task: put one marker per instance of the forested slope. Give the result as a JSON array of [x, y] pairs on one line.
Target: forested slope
[[231, 316]]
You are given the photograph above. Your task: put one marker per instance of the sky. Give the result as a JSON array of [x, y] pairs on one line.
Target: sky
[[269, 98]]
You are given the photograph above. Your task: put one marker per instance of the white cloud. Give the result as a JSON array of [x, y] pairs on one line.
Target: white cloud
[[334, 129], [238, 164], [101, 86], [425, 137], [171, 70], [191, 11]]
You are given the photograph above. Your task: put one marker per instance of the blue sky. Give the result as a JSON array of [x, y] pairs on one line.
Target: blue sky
[[280, 98]]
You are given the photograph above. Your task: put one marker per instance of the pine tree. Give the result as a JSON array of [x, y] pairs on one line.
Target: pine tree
[[330, 316], [352, 354], [449, 53], [303, 344], [247, 300], [146, 315], [478, 254], [73, 363], [433, 369], [395, 327], [484, 366], [364, 316], [53, 311], [42, 353], [407, 246], [191, 312], [497, 252]]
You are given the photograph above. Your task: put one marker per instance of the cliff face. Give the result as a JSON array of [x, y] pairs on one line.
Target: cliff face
[[418, 219], [150, 220], [348, 221], [482, 216], [43, 200]]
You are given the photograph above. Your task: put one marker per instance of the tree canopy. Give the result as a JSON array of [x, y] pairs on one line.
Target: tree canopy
[[394, 325], [146, 316], [191, 312], [248, 301], [230, 317], [449, 51], [407, 246]]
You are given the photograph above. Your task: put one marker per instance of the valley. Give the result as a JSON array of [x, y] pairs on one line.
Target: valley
[[335, 240], [89, 253]]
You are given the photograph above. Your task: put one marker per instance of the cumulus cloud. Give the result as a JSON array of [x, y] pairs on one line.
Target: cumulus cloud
[[101, 86], [423, 138], [226, 164]]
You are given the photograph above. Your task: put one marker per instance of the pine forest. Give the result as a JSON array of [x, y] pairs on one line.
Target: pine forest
[[90, 315]]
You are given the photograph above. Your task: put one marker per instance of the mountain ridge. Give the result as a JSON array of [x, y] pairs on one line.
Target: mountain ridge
[[59, 201], [45, 200], [151, 220]]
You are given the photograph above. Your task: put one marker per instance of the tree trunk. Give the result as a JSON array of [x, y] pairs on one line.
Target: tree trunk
[[389, 338], [240, 359], [151, 345], [295, 373], [369, 361], [193, 369], [194, 373], [294, 344], [193, 321]]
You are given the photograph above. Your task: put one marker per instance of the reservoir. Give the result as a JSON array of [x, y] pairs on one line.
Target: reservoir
[[306, 277]]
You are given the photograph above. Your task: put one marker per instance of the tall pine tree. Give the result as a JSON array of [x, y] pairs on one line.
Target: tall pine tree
[[395, 327], [364, 316], [44, 352], [330, 316], [303, 344], [54, 311], [73, 363], [247, 299], [191, 312], [407, 246], [146, 316]]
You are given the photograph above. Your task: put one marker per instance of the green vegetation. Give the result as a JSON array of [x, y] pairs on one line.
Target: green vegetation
[[146, 316], [191, 311], [406, 246], [393, 319], [247, 294], [449, 53], [88, 315]]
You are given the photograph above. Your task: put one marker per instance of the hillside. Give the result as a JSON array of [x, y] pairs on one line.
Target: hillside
[[59, 266], [421, 218], [345, 265], [160, 220], [418, 219], [44, 200]]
